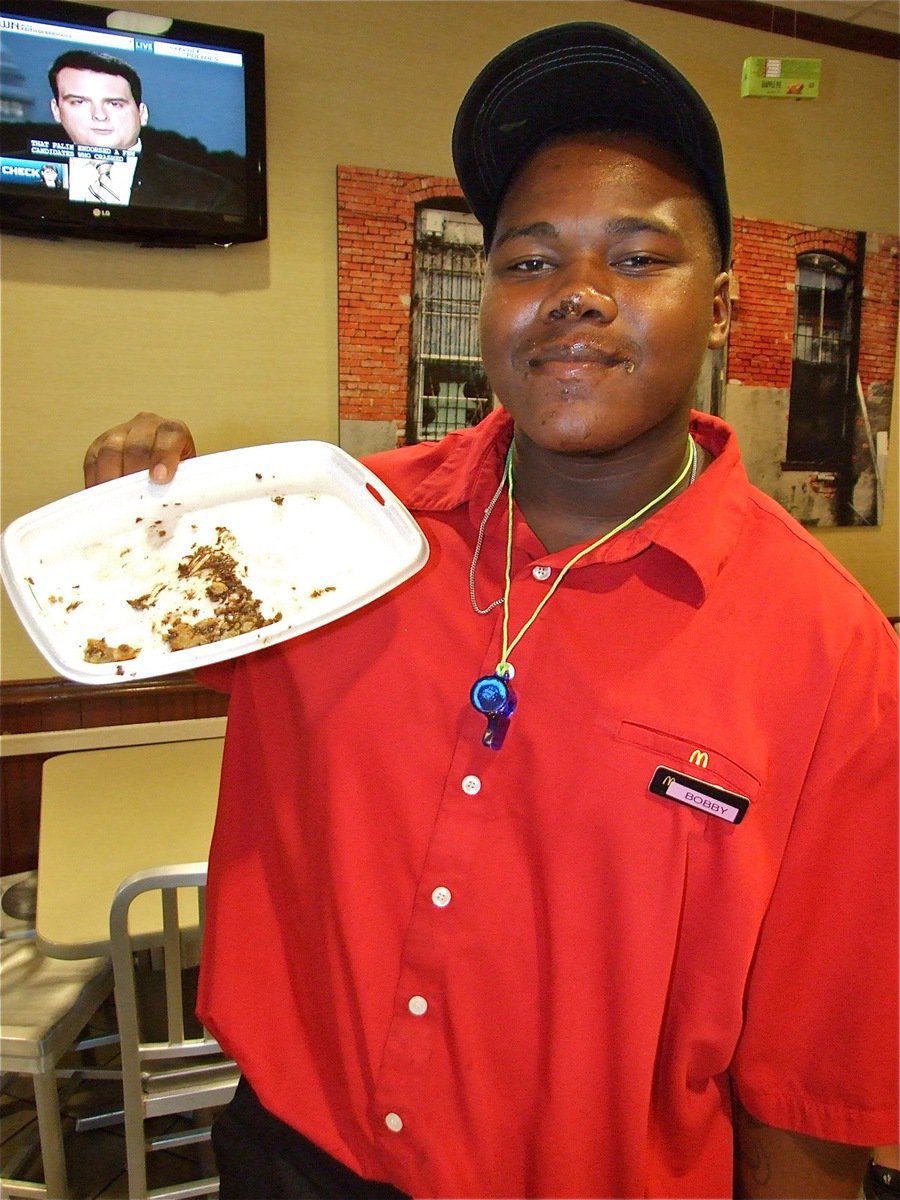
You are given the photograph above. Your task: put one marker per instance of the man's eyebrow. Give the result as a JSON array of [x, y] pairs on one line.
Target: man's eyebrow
[[536, 229], [617, 227], [626, 226], [84, 96]]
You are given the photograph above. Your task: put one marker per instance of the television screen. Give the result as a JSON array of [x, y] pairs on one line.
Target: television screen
[[122, 126]]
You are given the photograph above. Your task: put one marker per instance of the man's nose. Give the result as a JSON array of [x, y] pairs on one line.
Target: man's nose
[[98, 112], [588, 303]]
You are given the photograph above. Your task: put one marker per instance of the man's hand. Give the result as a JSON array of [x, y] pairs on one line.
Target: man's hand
[[147, 442], [791, 1166]]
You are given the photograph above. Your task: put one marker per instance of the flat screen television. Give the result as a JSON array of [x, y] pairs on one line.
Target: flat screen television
[[120, 126]]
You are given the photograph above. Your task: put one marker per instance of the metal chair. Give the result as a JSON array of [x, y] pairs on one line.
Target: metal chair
[[177, 1072], [45, 1003]]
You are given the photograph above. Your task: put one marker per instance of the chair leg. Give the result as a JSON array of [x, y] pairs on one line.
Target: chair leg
[[53, 1155], [135, 1154]]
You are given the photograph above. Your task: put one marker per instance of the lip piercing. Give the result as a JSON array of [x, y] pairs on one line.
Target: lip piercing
[[628, 366]]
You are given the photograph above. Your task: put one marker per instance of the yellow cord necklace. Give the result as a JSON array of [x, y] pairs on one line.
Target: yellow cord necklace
[[492, 695]]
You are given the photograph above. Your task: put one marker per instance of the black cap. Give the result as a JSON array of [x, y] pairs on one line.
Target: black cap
[[572, 77]]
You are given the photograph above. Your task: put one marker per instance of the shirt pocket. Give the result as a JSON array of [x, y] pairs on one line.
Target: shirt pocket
[[696, 757]]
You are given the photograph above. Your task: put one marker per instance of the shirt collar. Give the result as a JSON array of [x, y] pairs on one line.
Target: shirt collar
[[700, 526], [469, 469]]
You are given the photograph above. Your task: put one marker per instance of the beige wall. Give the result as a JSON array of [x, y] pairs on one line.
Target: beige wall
[[242, 343]]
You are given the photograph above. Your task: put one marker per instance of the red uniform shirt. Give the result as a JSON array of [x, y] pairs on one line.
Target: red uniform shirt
[[524, 973]]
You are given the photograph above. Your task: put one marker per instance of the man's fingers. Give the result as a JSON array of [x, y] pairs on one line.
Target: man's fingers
[[173, 443], [104, 458], [146, 443]]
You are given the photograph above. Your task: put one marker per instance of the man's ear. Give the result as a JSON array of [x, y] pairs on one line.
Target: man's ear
[[721, 311], [145, 113], [54, 108]]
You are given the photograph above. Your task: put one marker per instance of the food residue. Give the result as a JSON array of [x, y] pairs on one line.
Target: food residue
[[235, 608], [141, 603], [98, 651]]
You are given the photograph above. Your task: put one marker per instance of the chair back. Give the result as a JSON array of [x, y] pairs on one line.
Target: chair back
[[169, 1063]]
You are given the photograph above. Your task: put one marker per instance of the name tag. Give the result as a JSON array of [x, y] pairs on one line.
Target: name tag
[[696, 793]]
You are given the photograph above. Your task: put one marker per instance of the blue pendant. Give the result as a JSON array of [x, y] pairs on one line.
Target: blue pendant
[[494, 698]]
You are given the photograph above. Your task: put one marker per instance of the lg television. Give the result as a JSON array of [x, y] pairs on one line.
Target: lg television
[[120, 126]]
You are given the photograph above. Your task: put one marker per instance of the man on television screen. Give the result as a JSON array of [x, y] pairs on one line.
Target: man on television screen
[[98, 100]]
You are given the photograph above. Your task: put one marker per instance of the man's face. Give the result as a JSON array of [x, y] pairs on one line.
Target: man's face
[[602, 294], [97, 109]]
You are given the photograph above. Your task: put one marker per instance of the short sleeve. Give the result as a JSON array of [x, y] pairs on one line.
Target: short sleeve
[[818, 1051]]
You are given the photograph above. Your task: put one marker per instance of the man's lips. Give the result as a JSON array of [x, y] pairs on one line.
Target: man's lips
[[577, 354]]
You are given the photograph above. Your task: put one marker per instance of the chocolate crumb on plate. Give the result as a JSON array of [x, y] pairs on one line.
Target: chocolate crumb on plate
[[235, 609]]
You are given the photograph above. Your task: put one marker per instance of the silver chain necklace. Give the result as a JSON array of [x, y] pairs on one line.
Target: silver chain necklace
[[482, 612]]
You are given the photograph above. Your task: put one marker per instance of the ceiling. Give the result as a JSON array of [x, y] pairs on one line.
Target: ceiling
[[876, 14]]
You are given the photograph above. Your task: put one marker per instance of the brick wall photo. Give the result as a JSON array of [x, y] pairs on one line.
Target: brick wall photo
[[377, 211], [759, 371]]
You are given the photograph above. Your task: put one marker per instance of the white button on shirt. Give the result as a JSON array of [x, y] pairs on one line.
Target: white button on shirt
[[471, 785], [394, 1122], [441, 897], [418, 1006], [541, 573]]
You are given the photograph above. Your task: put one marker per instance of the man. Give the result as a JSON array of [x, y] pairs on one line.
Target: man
[[98, 101], [569, 869]]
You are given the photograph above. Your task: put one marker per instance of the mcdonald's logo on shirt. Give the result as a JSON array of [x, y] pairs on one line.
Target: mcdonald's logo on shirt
[[699, 758]]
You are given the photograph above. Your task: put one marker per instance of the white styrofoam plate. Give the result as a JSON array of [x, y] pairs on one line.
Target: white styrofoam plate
[[314, 533]]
